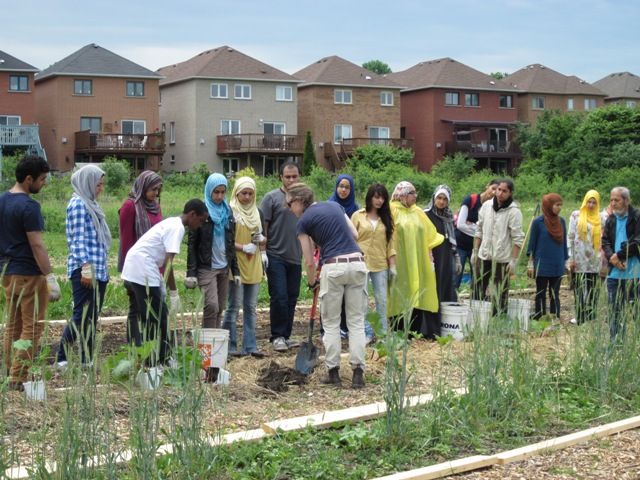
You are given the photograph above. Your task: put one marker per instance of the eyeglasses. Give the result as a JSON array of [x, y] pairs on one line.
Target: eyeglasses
[[289, 202], [413, 193]]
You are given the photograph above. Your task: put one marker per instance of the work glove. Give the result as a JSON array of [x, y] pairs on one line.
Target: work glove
[[86, 276], [237, 280], [458, 265], [54, 288], [474, 258], [265, 261], [191, 282], [393, 273], [174, 302], [250, 248], [511, 268], [258, 238]]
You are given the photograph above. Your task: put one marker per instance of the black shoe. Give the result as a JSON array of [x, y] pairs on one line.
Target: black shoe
[[258, 354], [358, 378], [212, 375], [333, 377], [15, 386], [236, 354]]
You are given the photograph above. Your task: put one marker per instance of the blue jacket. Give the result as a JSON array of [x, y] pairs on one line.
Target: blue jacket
[[549, 256]]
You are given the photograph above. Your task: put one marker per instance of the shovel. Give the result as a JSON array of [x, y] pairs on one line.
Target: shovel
[[307, 357]]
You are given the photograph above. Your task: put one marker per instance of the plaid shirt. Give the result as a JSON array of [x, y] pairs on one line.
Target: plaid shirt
[[82, 240]]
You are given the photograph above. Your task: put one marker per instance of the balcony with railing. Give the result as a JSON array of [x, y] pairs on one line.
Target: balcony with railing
[[263, 143], [483, 149], [119, 143], [19, 135]]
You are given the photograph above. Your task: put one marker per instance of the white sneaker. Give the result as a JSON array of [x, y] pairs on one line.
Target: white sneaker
[[292, 343], [280, 345], [172, 363], [573, 321], [62, 366]]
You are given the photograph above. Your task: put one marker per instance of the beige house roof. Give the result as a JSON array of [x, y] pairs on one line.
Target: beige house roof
[[340, 72], [537, 78], [447, 73], [222, 62], [620, 85]]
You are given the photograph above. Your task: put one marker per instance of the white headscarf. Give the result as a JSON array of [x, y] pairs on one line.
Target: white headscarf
[[84, 182], [401, 190], [246, 215]]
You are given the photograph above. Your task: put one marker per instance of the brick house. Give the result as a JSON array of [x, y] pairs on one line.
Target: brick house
[[343, 106], [94, 104], [541, 88], [449, 107], [18, 131], [623, 87], [230, 111]]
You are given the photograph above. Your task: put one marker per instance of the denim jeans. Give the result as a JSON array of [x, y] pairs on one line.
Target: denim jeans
[[380, 282], [247, 295], [87, 303], [284, 287], [621, 293], [465, 255]]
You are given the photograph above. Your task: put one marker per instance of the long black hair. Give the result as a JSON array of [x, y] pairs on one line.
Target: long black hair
[[384, 211]]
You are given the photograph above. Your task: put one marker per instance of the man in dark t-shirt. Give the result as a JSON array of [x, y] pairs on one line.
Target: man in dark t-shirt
[[27, 280], [343, 275]]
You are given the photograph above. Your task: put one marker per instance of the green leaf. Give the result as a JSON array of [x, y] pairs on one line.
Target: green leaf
[[22, 344]]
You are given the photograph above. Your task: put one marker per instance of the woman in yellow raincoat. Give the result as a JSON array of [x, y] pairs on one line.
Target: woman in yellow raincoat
[[413, 291]]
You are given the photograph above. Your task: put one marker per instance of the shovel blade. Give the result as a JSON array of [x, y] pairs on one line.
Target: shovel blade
[[307, 358]]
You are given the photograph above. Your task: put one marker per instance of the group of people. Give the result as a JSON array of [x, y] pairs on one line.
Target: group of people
[[413, 258]]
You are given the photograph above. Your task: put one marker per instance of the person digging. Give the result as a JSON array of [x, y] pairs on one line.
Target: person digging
[[343, 275]]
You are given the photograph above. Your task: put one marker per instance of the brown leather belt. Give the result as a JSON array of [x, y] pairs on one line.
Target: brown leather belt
[[344, 260]]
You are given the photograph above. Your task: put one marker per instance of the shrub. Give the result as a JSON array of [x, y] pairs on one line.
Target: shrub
[[117, 174], [378, 157], [309, 156], [454, 168]]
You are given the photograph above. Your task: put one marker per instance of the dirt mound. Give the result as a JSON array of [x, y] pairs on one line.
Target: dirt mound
[[277, 378]]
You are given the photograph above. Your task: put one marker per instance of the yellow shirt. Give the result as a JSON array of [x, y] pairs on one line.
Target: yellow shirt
[[250, 265], [373, 241]]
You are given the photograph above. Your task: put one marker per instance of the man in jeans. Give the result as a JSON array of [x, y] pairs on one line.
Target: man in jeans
[[284, 257], [496, 246], [24, 266], [621, 246], [343, 276]]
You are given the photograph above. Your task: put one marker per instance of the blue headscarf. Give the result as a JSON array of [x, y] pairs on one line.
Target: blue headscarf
[[349, 204], [219, 214]]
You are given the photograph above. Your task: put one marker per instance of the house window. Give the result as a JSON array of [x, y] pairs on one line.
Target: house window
[[631, 103], [284, 93], [18, 83], [452, 98], [276, 128], [172, 133], [471, 99], [83, 87], [137, 127], [537, 103], [229, 127], [590, 103], [386, 99], [9, 120], [230, 165], [379, 134], [569, 104], [340, 132], [506, 101], [91, 123], [242, 92], [342, 97], [135, 89], [219, 90]]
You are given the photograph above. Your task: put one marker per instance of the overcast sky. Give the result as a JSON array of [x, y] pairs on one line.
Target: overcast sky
[[587, 38]]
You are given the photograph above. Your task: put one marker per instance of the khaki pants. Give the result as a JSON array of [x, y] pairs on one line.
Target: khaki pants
[[215, 285], [27, 299], [348, 280]]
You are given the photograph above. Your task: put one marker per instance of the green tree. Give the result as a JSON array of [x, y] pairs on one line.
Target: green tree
[[498, 75], [377, 66], [309, 155]]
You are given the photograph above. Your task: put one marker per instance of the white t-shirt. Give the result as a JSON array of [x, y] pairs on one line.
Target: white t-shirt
[[146, 257]]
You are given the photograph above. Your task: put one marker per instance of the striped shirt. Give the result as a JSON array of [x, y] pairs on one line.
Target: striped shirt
[[82, 240]]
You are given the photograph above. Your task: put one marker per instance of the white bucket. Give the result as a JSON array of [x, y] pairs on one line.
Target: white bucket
[[224, 376], [480, 313], [35, 390], [520, 310], [453, 319], [213, 344], [149, 379]]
